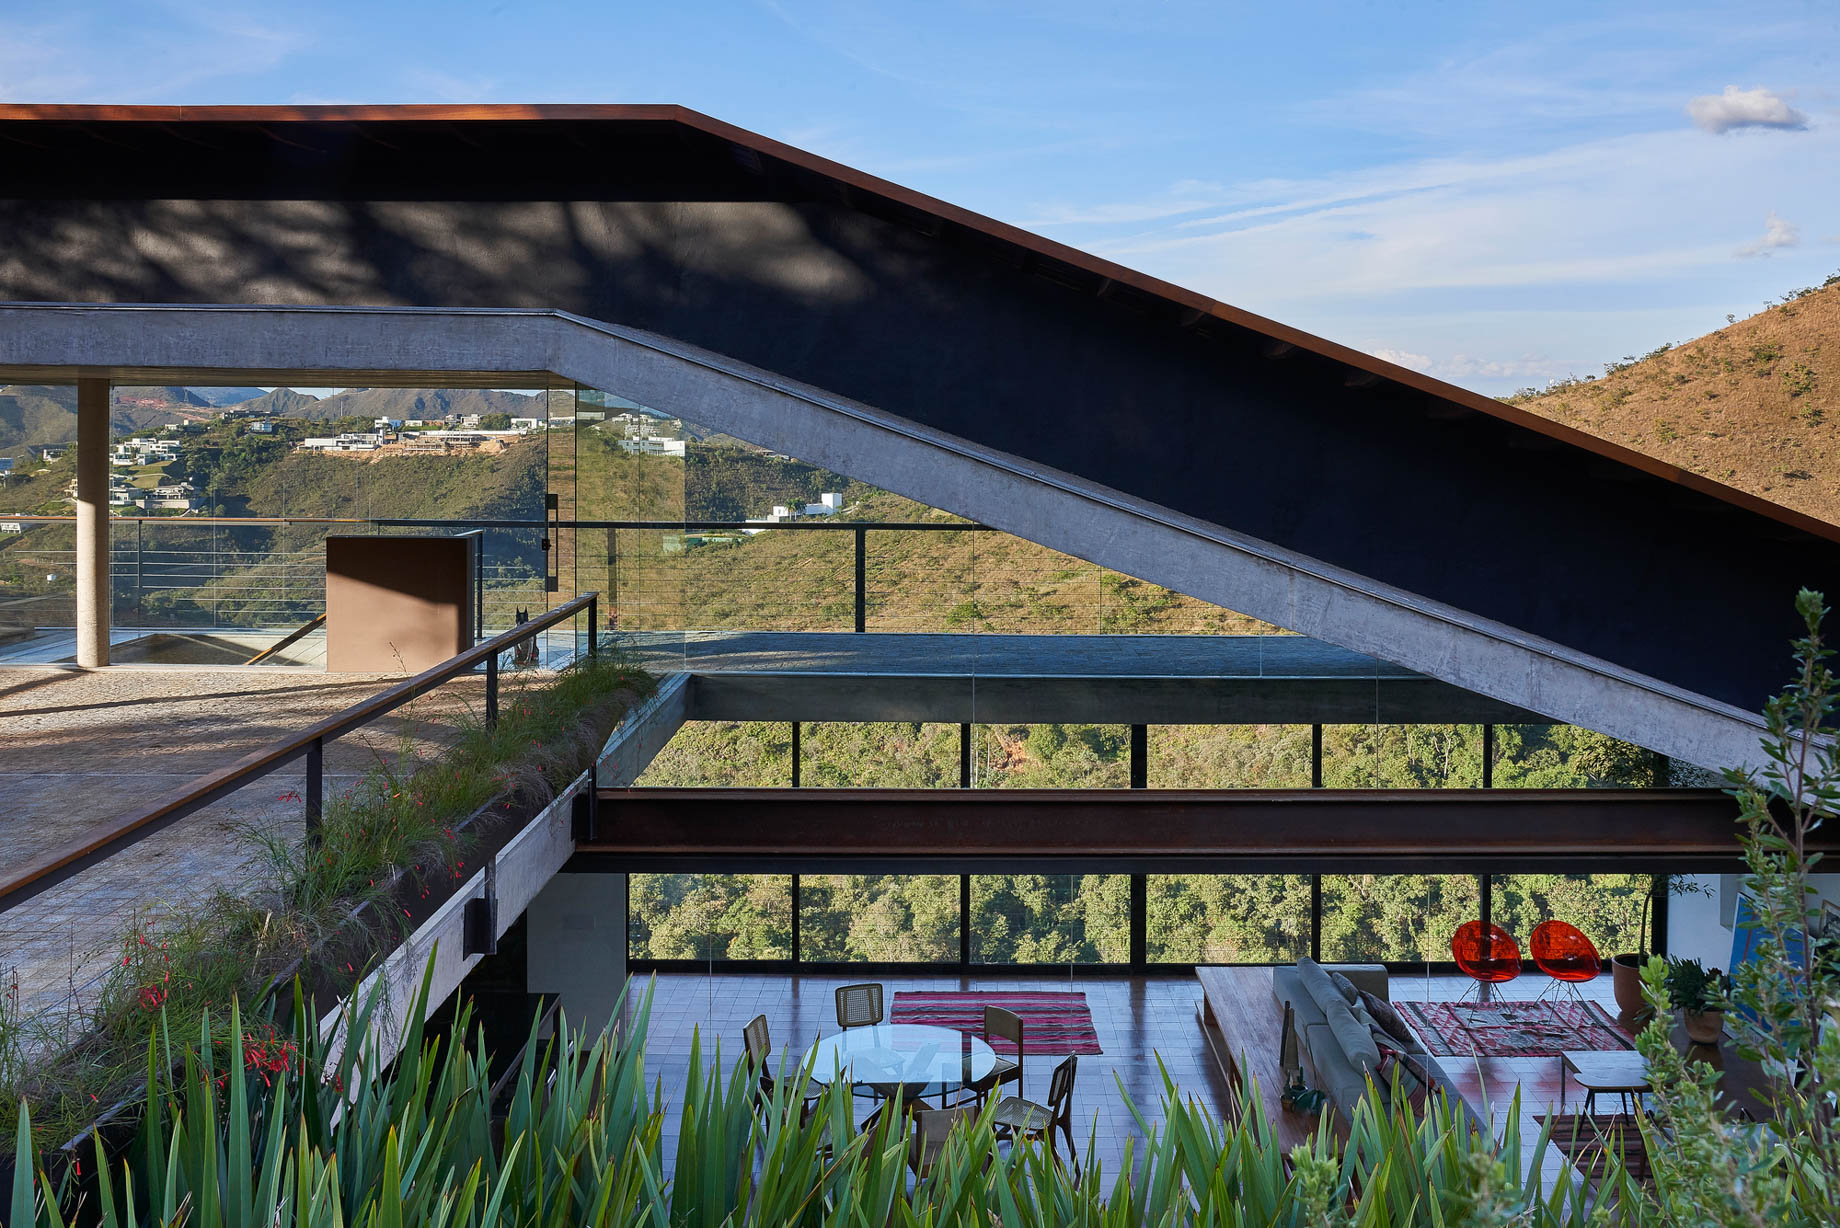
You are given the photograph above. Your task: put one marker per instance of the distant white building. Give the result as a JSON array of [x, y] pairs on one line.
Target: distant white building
[[527, 424], [653, 447], [829, 504], [12, 526], [349, 441], [387, 424], [262, 426]]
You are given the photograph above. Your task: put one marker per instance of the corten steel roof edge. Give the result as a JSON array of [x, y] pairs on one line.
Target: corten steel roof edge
[[443, 113]]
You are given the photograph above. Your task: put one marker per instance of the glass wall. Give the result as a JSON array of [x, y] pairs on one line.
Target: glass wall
[[709, 916], [1226, 919], [724, 754], [879, 918], [1228, 756], [1050, 918], [878, 755], [1374, 918], [1050, 756]]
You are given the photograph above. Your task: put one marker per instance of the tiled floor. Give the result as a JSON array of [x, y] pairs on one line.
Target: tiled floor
[[1139, 1020]]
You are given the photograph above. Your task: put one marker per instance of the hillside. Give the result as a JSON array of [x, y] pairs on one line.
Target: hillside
[[37, 416], [1755, 405]]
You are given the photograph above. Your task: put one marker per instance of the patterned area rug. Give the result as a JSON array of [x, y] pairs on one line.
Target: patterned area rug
[[1513, 1029], [1052, 1023], [1587, 1141]]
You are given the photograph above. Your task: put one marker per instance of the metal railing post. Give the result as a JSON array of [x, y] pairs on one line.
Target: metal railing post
[[594, 624], [862, 572], [492, 691], [316, 795]]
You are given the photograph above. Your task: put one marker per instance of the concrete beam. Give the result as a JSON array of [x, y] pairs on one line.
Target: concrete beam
[[1056, 509], [94, 596]]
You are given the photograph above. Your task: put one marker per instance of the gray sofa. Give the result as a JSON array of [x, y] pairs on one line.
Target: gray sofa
[[1337, 1036]]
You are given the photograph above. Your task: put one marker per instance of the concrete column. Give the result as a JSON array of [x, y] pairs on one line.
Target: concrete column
[[94, 599], [577, 945]]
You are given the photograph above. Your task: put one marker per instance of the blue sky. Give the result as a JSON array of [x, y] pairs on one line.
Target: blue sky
[[1496, 193]]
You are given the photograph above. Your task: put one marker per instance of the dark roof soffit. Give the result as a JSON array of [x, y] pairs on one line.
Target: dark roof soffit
[[930, 207]]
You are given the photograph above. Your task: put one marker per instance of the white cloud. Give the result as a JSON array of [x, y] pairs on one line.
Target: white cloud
[[1401, 358], [1736, 108], [1776, 233], [1469, 368]]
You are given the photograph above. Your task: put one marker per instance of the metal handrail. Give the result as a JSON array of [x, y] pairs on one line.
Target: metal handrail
[[397, 522], [55, 865]]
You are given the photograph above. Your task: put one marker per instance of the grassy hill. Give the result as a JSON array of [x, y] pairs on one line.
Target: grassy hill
[[37, 416], [1755, 405]]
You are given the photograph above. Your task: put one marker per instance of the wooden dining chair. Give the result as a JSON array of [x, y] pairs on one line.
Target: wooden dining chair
[[859, 1006], [930, 1130], [1003, 1025], [1019, 1118], [759, 1044]]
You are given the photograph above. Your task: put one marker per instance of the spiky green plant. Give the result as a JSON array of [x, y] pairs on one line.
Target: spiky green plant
[[262, 1128]]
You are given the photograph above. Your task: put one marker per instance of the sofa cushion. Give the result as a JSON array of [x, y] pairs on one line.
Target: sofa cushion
[[1315, 980], [1354, 1037]]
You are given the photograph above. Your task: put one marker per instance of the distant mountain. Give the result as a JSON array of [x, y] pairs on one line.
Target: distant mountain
[[427, 403], [281, 403], [38, 415], [220, 397], [1755, 405]]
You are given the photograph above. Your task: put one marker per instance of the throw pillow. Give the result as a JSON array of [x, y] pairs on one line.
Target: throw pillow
[[1390, 1020], [1399, 1076], [1349, 993]]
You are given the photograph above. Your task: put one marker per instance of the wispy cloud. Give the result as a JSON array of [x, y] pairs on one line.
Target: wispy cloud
[[1736, 108], [1777, 233]]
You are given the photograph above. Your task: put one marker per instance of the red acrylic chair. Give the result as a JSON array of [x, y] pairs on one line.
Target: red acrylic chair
[[1487, 958], [1563, 953]]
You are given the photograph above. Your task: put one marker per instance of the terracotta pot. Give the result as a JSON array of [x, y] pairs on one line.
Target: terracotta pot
[[1626, 982], [1703, 1027]]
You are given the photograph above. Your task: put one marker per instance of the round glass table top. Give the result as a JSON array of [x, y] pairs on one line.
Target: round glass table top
[[911, 1054]]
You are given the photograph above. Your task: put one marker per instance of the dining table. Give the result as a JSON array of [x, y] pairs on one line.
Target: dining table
[[920, 1059]]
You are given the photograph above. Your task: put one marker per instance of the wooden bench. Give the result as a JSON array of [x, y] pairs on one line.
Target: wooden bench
[[1244, 1026]]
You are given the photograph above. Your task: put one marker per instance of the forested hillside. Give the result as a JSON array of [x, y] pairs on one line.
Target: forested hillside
[[1755, 405]]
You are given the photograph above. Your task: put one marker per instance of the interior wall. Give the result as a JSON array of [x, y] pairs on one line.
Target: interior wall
[[1701, 926]]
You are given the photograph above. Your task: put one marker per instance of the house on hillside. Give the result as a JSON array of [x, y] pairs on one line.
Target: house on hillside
[[653, 447]]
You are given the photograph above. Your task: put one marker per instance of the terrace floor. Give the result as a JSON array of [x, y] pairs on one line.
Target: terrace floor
[[78, 748], [1140, 1021]]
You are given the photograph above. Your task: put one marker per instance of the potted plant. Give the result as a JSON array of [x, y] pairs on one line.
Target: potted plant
[[1700, 994], [1626, 968]]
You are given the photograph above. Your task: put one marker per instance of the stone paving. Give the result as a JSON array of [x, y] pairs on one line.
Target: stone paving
[[78, 748]]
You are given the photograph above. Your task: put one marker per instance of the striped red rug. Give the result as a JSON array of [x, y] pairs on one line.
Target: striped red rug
[[1513, 1029], [1052, 1023]]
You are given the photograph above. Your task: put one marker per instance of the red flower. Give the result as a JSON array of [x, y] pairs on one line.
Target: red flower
[[153, 997]]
